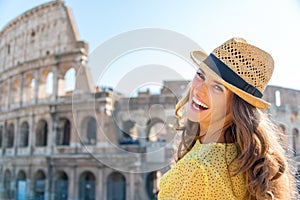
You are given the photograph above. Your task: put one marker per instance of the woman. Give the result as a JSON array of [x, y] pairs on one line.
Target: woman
[[229, 148]]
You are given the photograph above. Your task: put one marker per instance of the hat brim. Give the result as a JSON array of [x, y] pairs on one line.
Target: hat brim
[[199, 56]]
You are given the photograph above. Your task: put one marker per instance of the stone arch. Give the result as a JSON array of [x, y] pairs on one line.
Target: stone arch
[[49, 84], [4, 95], [39, 184], [41, 133], [16, 91], [294, 116], [116, 186], [46, 84], [61, 185], [8, 191], [66, 82], [29, 87], [70, 79], [89, 130], [87, 186], [10, 136], [21, 185], [128, 133], [24, 134], [282, 134], [64, 132], [158, 130], [21, 175]]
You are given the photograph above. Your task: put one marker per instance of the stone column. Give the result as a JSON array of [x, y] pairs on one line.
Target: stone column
[[131, 185], [31, 138], [52, 129], [36, 86], [4, 136], [21, 89], [71, 180], [9, 92], [49, 179], [55, 83], [73, 184], [99, 185], [30, 183], [13, 185], [17, 135]]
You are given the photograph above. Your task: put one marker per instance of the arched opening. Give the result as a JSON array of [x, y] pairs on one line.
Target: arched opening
[[116, 186], [24, 135], [294, 116], [49, 84], [39, 185], [129, 133], [159, 131], [66, 81], [46, 84], [21, 185], [29, 86], [87, 186], [152, 184], [41, 133], [4, 95], [10, 135], [16, 91], [61, 186], [277, 98], [89, 131], [63, 132], [8, 192], [70, 79], [282, 134]]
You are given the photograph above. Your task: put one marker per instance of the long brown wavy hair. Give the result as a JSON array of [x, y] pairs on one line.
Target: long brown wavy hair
[[260, 156]]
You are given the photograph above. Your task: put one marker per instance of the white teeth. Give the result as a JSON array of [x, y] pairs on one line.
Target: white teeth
[[195, 107], [199, 103]]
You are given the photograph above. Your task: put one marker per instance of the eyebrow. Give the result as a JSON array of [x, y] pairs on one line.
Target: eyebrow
[[201, 71], [217, 82]]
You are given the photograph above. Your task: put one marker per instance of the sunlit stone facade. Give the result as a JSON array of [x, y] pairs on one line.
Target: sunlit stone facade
[[66, 139]]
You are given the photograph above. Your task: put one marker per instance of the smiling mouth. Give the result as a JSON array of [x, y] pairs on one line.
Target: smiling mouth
[[198, 105]]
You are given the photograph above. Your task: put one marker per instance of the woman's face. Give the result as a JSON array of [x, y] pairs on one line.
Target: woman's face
[[209, 101]]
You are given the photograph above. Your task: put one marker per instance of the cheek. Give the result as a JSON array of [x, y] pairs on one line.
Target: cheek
[[220, 103]]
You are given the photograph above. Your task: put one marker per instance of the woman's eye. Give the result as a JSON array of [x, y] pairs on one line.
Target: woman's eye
[[200, 75], [219, 88]]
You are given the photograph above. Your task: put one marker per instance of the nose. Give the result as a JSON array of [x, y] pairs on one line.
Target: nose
[[201, 89]]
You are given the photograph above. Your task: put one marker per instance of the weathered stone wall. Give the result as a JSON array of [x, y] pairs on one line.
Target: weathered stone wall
[[46, 30]]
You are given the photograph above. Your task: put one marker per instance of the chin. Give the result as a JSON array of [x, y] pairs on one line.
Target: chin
[[193, 116]]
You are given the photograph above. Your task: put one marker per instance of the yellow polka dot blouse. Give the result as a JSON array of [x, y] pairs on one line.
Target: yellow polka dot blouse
[[203, 174]]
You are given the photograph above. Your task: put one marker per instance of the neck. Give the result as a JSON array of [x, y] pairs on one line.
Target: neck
[[212, 136], [215, 133]]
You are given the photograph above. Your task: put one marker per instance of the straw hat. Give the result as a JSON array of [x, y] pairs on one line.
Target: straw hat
[[242, 68]]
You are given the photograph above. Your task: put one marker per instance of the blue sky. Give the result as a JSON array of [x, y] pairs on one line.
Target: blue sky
[[273, 25]]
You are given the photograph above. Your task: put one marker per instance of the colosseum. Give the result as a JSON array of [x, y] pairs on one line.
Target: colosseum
[[61, 137]]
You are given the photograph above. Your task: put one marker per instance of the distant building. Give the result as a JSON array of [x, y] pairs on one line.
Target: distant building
[[61, 139]]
